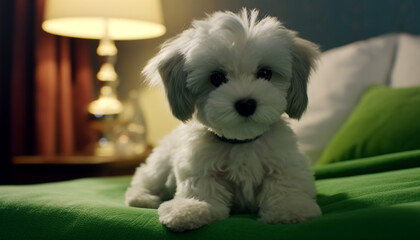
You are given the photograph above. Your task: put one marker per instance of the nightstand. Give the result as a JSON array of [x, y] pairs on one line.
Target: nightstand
[[39, 169]]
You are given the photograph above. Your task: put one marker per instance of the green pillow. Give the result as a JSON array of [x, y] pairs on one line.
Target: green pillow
[[385, 121]]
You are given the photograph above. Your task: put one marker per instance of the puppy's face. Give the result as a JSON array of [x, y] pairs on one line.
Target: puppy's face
[[235, 74]]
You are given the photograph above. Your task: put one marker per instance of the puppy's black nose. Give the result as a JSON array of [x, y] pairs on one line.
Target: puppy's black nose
[[246, 107]]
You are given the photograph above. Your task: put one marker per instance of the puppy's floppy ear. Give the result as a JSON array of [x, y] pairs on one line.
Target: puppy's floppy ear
[[175, 81], [169, 63], [304, 55]]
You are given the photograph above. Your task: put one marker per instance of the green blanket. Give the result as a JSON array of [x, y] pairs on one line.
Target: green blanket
[[374, 198]]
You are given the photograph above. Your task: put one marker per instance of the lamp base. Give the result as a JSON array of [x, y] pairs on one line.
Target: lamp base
[[122, 134]]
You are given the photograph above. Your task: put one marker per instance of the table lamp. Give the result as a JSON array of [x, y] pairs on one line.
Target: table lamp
[[106, 20]]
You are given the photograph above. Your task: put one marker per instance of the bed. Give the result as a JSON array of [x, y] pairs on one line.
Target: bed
[[366, 164], [370, 198]]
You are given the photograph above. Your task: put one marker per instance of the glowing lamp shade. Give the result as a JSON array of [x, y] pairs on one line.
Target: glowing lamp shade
[[96, 19]]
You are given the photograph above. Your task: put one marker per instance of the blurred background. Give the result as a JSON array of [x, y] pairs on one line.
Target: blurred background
[[313, 19], [37, 106]]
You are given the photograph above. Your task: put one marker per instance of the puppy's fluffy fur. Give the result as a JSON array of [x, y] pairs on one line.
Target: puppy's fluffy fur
[[221, 160]]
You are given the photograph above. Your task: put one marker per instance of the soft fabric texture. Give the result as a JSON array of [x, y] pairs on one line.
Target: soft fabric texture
[[360, 203], [406, 70], [51, 87], [385, 121], [334, 89]]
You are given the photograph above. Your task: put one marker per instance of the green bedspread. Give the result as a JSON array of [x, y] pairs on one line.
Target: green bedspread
[[372, 198]]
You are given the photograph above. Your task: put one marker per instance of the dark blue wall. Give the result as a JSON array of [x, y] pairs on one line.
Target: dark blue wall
[[330, 23]]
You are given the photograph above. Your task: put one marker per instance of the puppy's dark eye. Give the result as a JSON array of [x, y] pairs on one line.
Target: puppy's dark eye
[[218, 78], [264, 73]]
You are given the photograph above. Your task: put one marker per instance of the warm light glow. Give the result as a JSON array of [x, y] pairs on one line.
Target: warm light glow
[[120, 20], [106, 104], [119, 29], [107, 73], [106, 48]]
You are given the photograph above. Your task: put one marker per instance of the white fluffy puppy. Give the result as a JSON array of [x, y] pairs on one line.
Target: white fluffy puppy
[[230, 78]]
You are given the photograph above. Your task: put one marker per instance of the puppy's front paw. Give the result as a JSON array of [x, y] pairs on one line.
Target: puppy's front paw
[[138, 198], [182, 214], [292, 210]]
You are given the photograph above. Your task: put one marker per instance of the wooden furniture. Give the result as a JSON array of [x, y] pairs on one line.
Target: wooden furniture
[[40, 169]]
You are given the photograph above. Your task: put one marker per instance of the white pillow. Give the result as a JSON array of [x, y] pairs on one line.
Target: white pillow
[[406, 72], [334, 89]]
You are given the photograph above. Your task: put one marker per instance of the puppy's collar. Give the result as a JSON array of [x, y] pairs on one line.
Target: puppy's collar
[[235, 141]]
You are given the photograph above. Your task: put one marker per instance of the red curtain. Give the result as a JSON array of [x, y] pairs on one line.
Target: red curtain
[[50, 92]]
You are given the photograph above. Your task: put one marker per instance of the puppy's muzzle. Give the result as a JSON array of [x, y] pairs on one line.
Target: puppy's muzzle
[[246, 107]]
